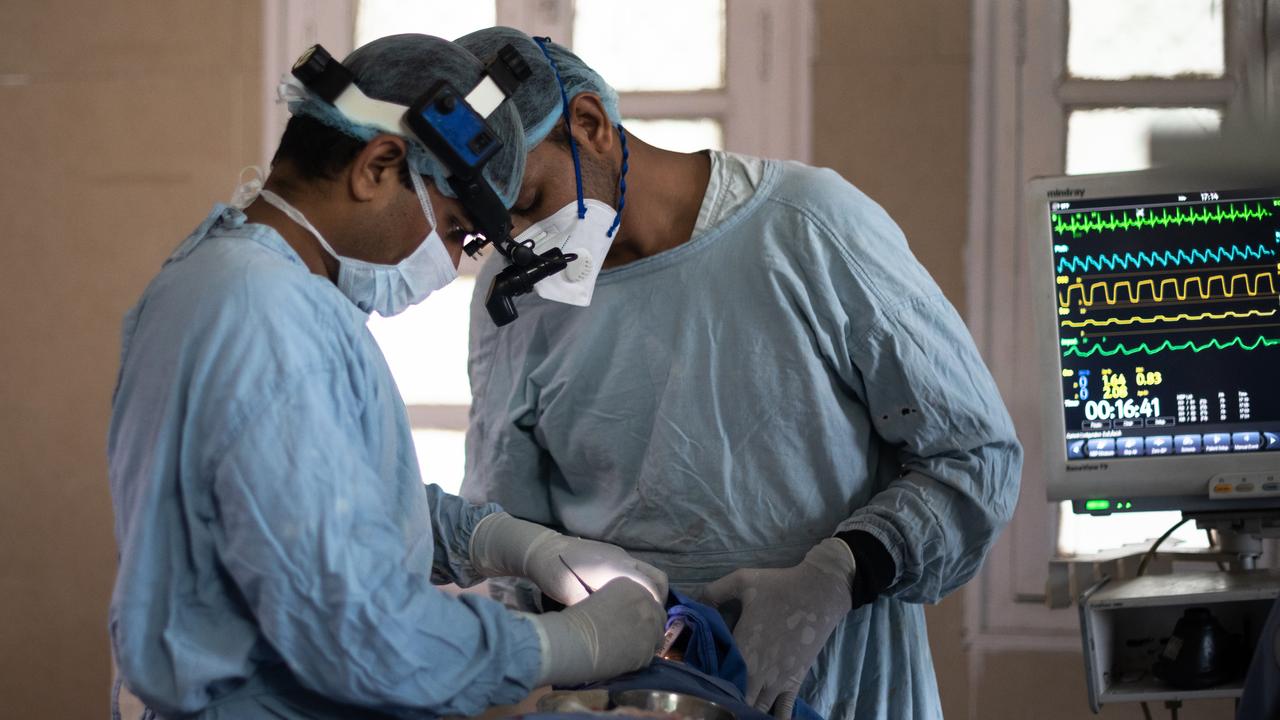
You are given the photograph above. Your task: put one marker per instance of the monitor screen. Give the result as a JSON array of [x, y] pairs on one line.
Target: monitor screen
[[1163, 308]]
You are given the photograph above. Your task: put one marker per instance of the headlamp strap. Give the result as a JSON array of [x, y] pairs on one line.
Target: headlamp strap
[[332, 82]]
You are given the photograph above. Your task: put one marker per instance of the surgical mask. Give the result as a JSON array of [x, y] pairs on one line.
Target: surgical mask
[[375, 287], [585, 228], [587, 237]]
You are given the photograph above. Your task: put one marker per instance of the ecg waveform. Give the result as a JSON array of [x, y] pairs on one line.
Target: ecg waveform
[[1125, 261], [1082, 223], [1167, 318], [1170, 346], [1158, 292]]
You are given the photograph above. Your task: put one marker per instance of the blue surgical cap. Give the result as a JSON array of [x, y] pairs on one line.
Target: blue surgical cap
[[398, 69], [538, 98]]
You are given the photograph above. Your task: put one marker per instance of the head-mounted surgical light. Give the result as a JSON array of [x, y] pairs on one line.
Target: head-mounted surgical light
[[454, 128]]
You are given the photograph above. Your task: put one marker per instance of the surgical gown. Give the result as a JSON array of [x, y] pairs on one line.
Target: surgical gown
[[277, 545], [788, 373]]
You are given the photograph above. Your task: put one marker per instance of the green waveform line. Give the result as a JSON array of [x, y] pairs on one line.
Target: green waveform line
[[1117, 261], [1169, 345], [1087, 222]]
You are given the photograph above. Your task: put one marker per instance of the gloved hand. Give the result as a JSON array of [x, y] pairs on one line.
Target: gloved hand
[[614, 631], [787, 616], [504, 545]]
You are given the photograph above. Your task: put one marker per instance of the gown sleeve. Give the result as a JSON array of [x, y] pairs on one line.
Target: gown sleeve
[[951, 460], [935, 405], [452, 522], [321, 562]]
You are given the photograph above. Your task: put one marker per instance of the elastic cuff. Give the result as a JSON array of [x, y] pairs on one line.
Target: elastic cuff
[[876, 569], [544, 644], [479, 541]]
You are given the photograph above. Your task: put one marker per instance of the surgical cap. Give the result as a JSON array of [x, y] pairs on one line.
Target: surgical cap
[[399, 69], [538, 99]]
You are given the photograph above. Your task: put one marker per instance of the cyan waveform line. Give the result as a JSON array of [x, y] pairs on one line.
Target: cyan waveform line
[[1170, 346], [1094, 221], [1117, 261], [1167, 318]]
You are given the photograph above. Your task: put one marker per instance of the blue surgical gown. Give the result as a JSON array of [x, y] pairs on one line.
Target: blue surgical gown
[[277, 545], [789, 372]]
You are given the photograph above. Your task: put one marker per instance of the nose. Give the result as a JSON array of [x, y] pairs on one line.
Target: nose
[[455, 250]]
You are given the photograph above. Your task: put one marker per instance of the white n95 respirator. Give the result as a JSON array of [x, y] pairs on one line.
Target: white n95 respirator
[[587, 237]]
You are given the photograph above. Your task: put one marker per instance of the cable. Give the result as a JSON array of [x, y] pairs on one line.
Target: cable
[[622, 182], [1213, 545], [1146, 559]]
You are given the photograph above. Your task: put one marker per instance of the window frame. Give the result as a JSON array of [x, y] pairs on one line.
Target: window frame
[[1021, 99], [768, 54]]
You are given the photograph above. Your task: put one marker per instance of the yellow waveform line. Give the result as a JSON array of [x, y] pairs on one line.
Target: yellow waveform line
[[1204, 288], [1167, 318]]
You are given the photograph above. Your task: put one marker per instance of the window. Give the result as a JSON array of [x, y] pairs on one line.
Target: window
[[442, 18], [1118, 43], [1077, 86], [426, 347], [683, 86]]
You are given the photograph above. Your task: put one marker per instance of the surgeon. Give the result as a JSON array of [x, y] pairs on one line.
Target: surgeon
[[746, 379], [278, 548]]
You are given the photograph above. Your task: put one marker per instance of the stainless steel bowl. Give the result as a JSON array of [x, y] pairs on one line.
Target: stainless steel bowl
[[686, 706], [569, 701]]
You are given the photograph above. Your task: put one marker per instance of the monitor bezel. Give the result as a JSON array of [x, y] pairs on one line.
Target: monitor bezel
[[1179, 480]]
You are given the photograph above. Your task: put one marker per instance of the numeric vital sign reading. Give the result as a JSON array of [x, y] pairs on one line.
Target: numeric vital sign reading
[[1168, 313]]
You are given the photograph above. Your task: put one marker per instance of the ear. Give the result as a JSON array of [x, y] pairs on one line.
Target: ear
[[591, 125], [376, 167]]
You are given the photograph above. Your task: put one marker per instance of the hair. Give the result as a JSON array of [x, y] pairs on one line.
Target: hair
[[316, 151], [559, 134]]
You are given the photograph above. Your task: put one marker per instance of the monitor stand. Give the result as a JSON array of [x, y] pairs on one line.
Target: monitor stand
[[1122, 620], [1240, 532]]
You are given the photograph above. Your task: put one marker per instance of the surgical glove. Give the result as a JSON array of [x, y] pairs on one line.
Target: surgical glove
[[787, 616], [614, 631], [504, 545]]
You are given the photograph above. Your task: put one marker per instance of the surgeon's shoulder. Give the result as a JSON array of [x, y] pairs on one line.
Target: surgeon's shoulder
[[258, 303], [832, 218], [823, 198]]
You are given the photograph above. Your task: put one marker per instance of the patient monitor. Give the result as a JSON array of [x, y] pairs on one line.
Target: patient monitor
[[1157, 305]]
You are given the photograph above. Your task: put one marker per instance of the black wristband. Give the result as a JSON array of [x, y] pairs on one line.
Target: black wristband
[[876, 570]]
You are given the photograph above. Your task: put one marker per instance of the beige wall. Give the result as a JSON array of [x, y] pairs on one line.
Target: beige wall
[[891, 114], [121, 122]]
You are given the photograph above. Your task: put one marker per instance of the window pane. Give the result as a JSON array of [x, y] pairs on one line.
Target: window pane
[[377, 18], [652, 45], [1117, 139], [1145, 38], [1086, 534], [426, 346], [442, 457], [688, 135]]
